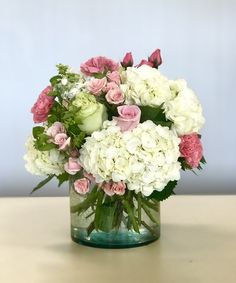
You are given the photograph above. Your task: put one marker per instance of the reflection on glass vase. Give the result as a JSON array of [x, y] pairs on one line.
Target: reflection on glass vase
[[104, 221]]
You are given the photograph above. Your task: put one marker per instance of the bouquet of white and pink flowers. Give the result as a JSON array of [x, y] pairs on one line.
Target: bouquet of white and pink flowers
[[120, 134]]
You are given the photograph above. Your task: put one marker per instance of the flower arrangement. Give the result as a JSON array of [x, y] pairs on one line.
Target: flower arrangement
[[119, 133]]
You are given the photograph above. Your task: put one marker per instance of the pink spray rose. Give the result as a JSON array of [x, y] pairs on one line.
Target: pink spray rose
[[115, 96], [191, 149], [62, 141], [72, 166], [112, 188], [107, 188], [114, 77], [82, 186], [118, 188], [129, 117], [56, 128], [145, 62], [97, 85], [42, 106], [155, 58], [109, 86], [98, 64], [127, 60]]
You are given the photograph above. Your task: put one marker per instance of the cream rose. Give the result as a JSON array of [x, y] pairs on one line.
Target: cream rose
[[91, 114]]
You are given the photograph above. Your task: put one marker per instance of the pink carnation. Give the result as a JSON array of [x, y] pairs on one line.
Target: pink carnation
[[42, 106], [191, 149], [98, 65]]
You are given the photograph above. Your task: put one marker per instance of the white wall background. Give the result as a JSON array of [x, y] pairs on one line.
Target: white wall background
[[198, 42]]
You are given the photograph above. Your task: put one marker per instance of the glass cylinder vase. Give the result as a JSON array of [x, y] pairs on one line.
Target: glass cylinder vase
[[118, 221]]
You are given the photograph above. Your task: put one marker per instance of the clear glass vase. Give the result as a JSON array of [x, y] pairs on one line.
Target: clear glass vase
[[103, 221]]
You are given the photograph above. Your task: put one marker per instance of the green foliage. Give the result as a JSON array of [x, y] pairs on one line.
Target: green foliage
[[42, 141], [43, 183], [62, 178], [156, 114], [165, 193]]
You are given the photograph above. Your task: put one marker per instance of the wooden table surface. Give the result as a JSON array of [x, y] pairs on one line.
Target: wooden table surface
[[197, 244]]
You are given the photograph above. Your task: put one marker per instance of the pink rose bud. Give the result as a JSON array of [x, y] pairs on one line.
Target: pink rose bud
[[82, 186], [191, 149], [56, 128], [118, 188], [42, 106], [95, 86], [145, 62], [127, 60], [115, 96], [129, 117], [155, 58], [72, 166], [89, 176], [74, 152], [114, 77], [107, 188]]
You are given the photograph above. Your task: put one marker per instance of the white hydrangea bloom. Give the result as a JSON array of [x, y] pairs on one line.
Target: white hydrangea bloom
[[145, 86], [185, 109], [146, 159], [43, 162]]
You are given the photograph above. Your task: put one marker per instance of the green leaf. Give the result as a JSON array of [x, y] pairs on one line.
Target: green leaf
[[131, 216], [165, 193], [44, 146], [78, 140], [37, 131], [203, 160], [54, 80], [62, 178], [155, 114], [74, 129], [42, 183]]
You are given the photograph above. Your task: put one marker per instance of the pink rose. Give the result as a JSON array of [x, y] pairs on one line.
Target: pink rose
[[115, 96], [97, 85], [191, 149], [112, 188], [42, 106], [72, 166], [65, 145], [61, 140], [98, 65], [109, 86], [129, 117], [107, 188], [114, 77], [118, 188], [82, 186], [55, 129], [127, 60], [145, 62], [155, 58]]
